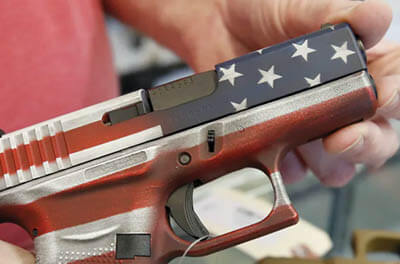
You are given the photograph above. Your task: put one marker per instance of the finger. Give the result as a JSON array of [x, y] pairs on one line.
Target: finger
[[292, 168], [369, 19], [261, 23], [16, 235], [368, 142], [382, 49], [389, 64], [15, 255], [330, 169], [389, 96]]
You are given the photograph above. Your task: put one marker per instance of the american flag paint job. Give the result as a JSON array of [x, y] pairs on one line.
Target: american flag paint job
[[256, 116], [245, 82]]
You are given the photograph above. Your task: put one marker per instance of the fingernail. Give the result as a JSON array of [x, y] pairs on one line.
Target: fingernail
[[354, 148], [391, 104]]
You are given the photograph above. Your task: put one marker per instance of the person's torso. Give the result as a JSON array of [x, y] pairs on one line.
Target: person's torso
[[54, 58]]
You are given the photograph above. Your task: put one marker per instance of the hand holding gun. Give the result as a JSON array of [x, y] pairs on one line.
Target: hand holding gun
[[103, 183]]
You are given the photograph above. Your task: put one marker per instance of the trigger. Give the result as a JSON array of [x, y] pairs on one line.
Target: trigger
[[180, 204]]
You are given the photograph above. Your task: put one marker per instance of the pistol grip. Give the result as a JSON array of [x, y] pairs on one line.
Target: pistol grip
[[116, 239]]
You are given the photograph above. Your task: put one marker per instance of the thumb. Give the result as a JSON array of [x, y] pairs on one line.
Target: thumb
[[261, 23], [15, 255], [370, 20]]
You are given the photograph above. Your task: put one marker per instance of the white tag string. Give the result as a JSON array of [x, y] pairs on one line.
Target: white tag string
[[190, 247]]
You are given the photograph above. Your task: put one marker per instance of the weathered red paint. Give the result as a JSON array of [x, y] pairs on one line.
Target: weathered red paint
[[46, 149], [21, 156], [261, 146], [33, 154], [35, 158], [2, 165], [9, 162], [98, 133], [60, 145]]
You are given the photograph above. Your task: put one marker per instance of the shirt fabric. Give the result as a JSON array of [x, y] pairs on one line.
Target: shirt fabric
[[54, 58]]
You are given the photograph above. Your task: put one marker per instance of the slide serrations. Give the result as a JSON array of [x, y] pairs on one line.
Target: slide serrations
[[32, 154]]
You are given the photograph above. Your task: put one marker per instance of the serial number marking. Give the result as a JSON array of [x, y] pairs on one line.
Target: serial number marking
[[115, 166], [181, 84]]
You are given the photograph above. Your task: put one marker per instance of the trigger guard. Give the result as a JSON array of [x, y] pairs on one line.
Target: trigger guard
[[180, 204]]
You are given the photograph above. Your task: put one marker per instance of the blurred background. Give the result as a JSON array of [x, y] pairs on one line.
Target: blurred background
[[329, 216]]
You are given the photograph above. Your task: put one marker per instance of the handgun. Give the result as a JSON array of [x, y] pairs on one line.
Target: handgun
[[104, 184]]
